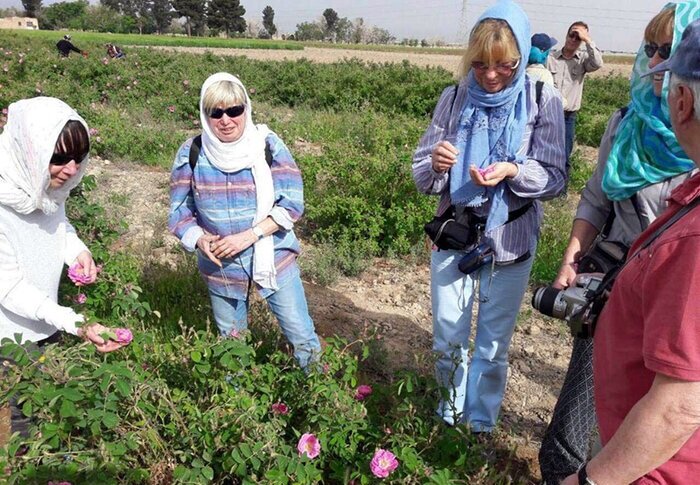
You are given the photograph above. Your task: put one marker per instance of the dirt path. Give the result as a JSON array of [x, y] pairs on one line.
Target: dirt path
[[391, 298], [325, 55]]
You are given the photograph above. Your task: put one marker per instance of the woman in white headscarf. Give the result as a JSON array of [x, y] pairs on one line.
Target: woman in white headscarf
[[43, 154], [235, 195]]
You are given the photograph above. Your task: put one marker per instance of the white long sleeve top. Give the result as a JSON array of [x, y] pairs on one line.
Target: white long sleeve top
[[33, 251]]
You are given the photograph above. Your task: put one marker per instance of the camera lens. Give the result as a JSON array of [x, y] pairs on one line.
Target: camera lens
[[543, 300]]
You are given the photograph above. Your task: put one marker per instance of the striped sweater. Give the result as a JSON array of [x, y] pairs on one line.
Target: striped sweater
[[217, 202]]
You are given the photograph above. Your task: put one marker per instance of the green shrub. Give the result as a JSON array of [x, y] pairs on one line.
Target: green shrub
[[602, 96]]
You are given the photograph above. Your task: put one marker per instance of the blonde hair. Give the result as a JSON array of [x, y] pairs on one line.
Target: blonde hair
[[661, 26], [491, 41], [223, 93]]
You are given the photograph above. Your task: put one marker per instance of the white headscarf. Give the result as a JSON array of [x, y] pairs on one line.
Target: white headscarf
[[246, 152], [26, 147]]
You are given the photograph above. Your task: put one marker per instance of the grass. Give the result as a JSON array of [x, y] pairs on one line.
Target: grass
[[159, 40], [446, 51]]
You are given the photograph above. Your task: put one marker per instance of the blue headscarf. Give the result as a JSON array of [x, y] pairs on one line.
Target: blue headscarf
[[537, 55], [645, 150], [491, 125]]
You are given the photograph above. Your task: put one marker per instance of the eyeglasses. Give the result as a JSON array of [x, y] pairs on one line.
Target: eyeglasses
[[231, 112], [61, 159], [652, 48], [504, 68]]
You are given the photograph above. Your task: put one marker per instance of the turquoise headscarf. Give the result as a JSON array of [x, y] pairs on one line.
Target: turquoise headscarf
[[645, 150], [537, 55], [491, 125]]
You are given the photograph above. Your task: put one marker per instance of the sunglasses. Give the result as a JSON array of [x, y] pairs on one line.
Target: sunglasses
[[503, 68], [61, 159], [652, 48], [574, 35], [231, 112]]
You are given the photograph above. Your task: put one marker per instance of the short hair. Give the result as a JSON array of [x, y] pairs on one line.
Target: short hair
[[491, 41], [576, 24], [73, 141], [225, 93], [661, 26], [693, 85]]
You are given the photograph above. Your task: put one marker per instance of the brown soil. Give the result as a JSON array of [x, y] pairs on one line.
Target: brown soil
[[325, 55], [391, 298]]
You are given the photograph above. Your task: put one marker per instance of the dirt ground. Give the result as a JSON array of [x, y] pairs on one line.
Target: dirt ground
[[391, 297], [324, 55]]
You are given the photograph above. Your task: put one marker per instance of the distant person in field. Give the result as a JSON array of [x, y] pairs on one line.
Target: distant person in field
[[494, 148], [44, 149], [235, 196], [536, 68], [639, 164], [114, 51], [647, 342], [65, 46], [569, 65]]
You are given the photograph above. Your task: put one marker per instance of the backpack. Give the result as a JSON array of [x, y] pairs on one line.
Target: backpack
[[197, 147]]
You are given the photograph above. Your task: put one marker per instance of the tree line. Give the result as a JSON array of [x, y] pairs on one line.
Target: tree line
[[197, 17]]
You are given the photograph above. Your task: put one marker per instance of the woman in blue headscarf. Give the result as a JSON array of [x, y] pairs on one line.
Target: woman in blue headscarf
[[493, 149], [639, 164]]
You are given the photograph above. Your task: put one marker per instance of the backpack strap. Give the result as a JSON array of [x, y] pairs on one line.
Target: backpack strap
[[197, 147], [538, 92]]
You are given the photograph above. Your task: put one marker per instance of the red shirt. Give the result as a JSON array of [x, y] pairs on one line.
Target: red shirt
[[650, 325]]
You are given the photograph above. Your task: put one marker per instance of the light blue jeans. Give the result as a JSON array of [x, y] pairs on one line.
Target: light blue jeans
[[474, 390], [288, 304]]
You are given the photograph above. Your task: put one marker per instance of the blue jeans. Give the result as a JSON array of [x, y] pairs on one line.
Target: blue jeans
[[570, 129], [474, 390], [288, 304]]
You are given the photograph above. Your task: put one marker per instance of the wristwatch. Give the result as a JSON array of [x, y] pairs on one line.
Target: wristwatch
[[583, 477], [258, 232]]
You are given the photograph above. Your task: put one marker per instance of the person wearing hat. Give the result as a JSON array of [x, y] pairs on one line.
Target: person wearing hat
[[569, 65], [539, 51], [65, 46], [647, 341]]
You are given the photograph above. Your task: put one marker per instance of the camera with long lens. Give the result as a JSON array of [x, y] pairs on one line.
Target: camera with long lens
[[578, 305]]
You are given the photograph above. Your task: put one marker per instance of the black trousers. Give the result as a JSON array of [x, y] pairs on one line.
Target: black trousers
[[566, 442]]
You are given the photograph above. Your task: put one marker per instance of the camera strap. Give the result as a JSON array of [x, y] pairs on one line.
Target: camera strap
[[610, 277]]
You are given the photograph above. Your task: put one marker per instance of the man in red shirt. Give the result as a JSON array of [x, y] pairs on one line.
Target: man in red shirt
[[647, 342]]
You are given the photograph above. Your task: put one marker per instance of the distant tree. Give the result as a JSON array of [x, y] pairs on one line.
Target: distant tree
[[358, 31], [102, 18], [309, 31], [138, 10], [65, 15], [193, 11], [226, 15], [10, 12], [330, 17], [162, 12], [31, 7], [253, 28], [268, 20], [343, 30], [424, 43], [379, 36]]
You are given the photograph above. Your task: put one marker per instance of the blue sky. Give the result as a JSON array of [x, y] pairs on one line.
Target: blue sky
[[615, 25]]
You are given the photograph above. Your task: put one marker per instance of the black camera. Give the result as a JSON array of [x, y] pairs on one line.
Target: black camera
[[481, 255], [578, 305]]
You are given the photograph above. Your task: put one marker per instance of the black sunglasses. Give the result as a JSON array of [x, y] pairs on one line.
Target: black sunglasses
[[231, 112], [664, 50], [61, 159]]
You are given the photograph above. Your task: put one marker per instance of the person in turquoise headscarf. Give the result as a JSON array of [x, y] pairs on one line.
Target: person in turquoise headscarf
[[639, 163], [492, 151]]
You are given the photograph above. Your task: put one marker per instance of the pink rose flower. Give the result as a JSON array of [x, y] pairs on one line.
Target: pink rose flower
[[75, 273], [280, 408], [123, 336], [363, 392], [383, 463], [4, 111], [105, 61], [93, 131], [234, 333], [186, 83], [81, 298], [171, 108], [309, 445]]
